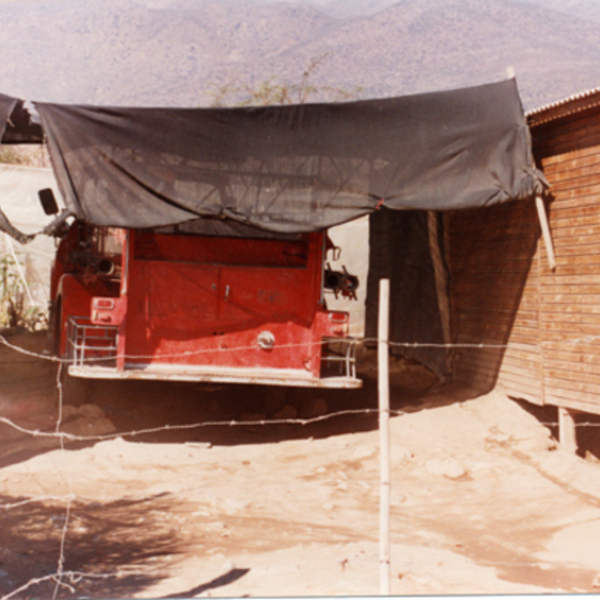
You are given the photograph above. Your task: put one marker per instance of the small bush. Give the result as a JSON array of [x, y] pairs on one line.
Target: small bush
[[15, 311], [272, 91]]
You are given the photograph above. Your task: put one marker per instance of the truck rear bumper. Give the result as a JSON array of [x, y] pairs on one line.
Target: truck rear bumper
[[212, 374]]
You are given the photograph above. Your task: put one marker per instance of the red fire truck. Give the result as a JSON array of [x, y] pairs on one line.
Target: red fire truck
[[147, 304]]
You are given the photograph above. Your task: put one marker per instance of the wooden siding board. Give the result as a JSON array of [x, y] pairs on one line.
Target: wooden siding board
[[575, 300], [563, 279], [569, 319], [572, 289], [588, 244], [570, 164], [559, 221], [496, 297], [573, 180], [578, 265], [565, 201], [565, 385], [559, 212], [571, 370], [569, 144], [548, 161]]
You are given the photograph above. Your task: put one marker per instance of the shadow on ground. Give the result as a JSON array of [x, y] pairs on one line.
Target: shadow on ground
[[587, 427], [253, 414], [132, 406], [101, 538]]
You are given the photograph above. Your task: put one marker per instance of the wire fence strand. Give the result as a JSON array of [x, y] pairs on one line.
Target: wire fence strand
[[67, 580]]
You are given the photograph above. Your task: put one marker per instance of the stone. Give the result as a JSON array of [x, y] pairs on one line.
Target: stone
[[316, 407], [233, 505], [85, 427], [498, 438], [92, 411], [397, 499], [228, 566], [199, 445], [364, 452], [448, 467], [590, 457], [399, 454], [541, 441], [274, 399], [69, 412], [287, 412]]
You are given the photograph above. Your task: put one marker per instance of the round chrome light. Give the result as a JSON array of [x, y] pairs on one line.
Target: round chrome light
[[266, 340]]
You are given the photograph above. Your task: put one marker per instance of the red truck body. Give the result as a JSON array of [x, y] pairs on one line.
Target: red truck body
[[136, 304]]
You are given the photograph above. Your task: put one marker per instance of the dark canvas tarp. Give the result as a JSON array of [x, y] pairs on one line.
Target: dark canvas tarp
[[400, 250], [291, 168]]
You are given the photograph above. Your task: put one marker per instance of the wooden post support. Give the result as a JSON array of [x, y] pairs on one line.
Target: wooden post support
[[543, 218], [567, 431], [384, 434]]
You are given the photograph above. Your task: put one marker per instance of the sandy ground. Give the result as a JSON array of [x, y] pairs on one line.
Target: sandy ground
[[483, 499]]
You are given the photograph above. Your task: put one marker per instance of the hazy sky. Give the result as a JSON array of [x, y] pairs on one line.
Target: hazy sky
[[334, 7]]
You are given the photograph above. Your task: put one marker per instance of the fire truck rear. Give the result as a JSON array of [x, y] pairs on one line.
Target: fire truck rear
[[144, 304]]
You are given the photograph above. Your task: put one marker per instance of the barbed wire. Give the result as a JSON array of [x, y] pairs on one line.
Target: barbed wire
[[73, 576], [71, 437], [355, 341], [68, 579], [61, 559], [62, 362]]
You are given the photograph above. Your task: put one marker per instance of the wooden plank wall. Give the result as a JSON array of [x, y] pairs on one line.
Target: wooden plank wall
[[493, 262], [503, 291], [568, 151]]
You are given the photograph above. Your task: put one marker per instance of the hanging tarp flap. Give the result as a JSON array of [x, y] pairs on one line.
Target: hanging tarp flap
[[7, 105], [400, 251], [291, 168]]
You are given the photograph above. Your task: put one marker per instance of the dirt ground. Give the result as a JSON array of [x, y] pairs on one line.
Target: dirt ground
[[483, 499]]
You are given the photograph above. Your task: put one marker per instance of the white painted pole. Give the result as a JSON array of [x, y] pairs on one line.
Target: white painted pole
[[543, 218], [384, 435], [567, 429]]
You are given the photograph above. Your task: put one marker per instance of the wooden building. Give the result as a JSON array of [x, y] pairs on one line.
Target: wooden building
[[532, 330]]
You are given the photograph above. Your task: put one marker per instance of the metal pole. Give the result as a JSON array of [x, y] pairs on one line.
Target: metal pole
[[384, 435]]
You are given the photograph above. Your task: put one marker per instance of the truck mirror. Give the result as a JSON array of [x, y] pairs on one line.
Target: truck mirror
[[48, 201]]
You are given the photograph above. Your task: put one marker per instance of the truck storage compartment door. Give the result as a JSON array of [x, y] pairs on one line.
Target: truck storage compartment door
[[172, 300], [265, 295]]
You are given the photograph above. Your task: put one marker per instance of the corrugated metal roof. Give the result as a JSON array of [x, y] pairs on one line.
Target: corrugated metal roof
[[565, 107]]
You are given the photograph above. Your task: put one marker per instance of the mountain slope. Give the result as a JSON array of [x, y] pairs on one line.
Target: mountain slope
[[158, 52]]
